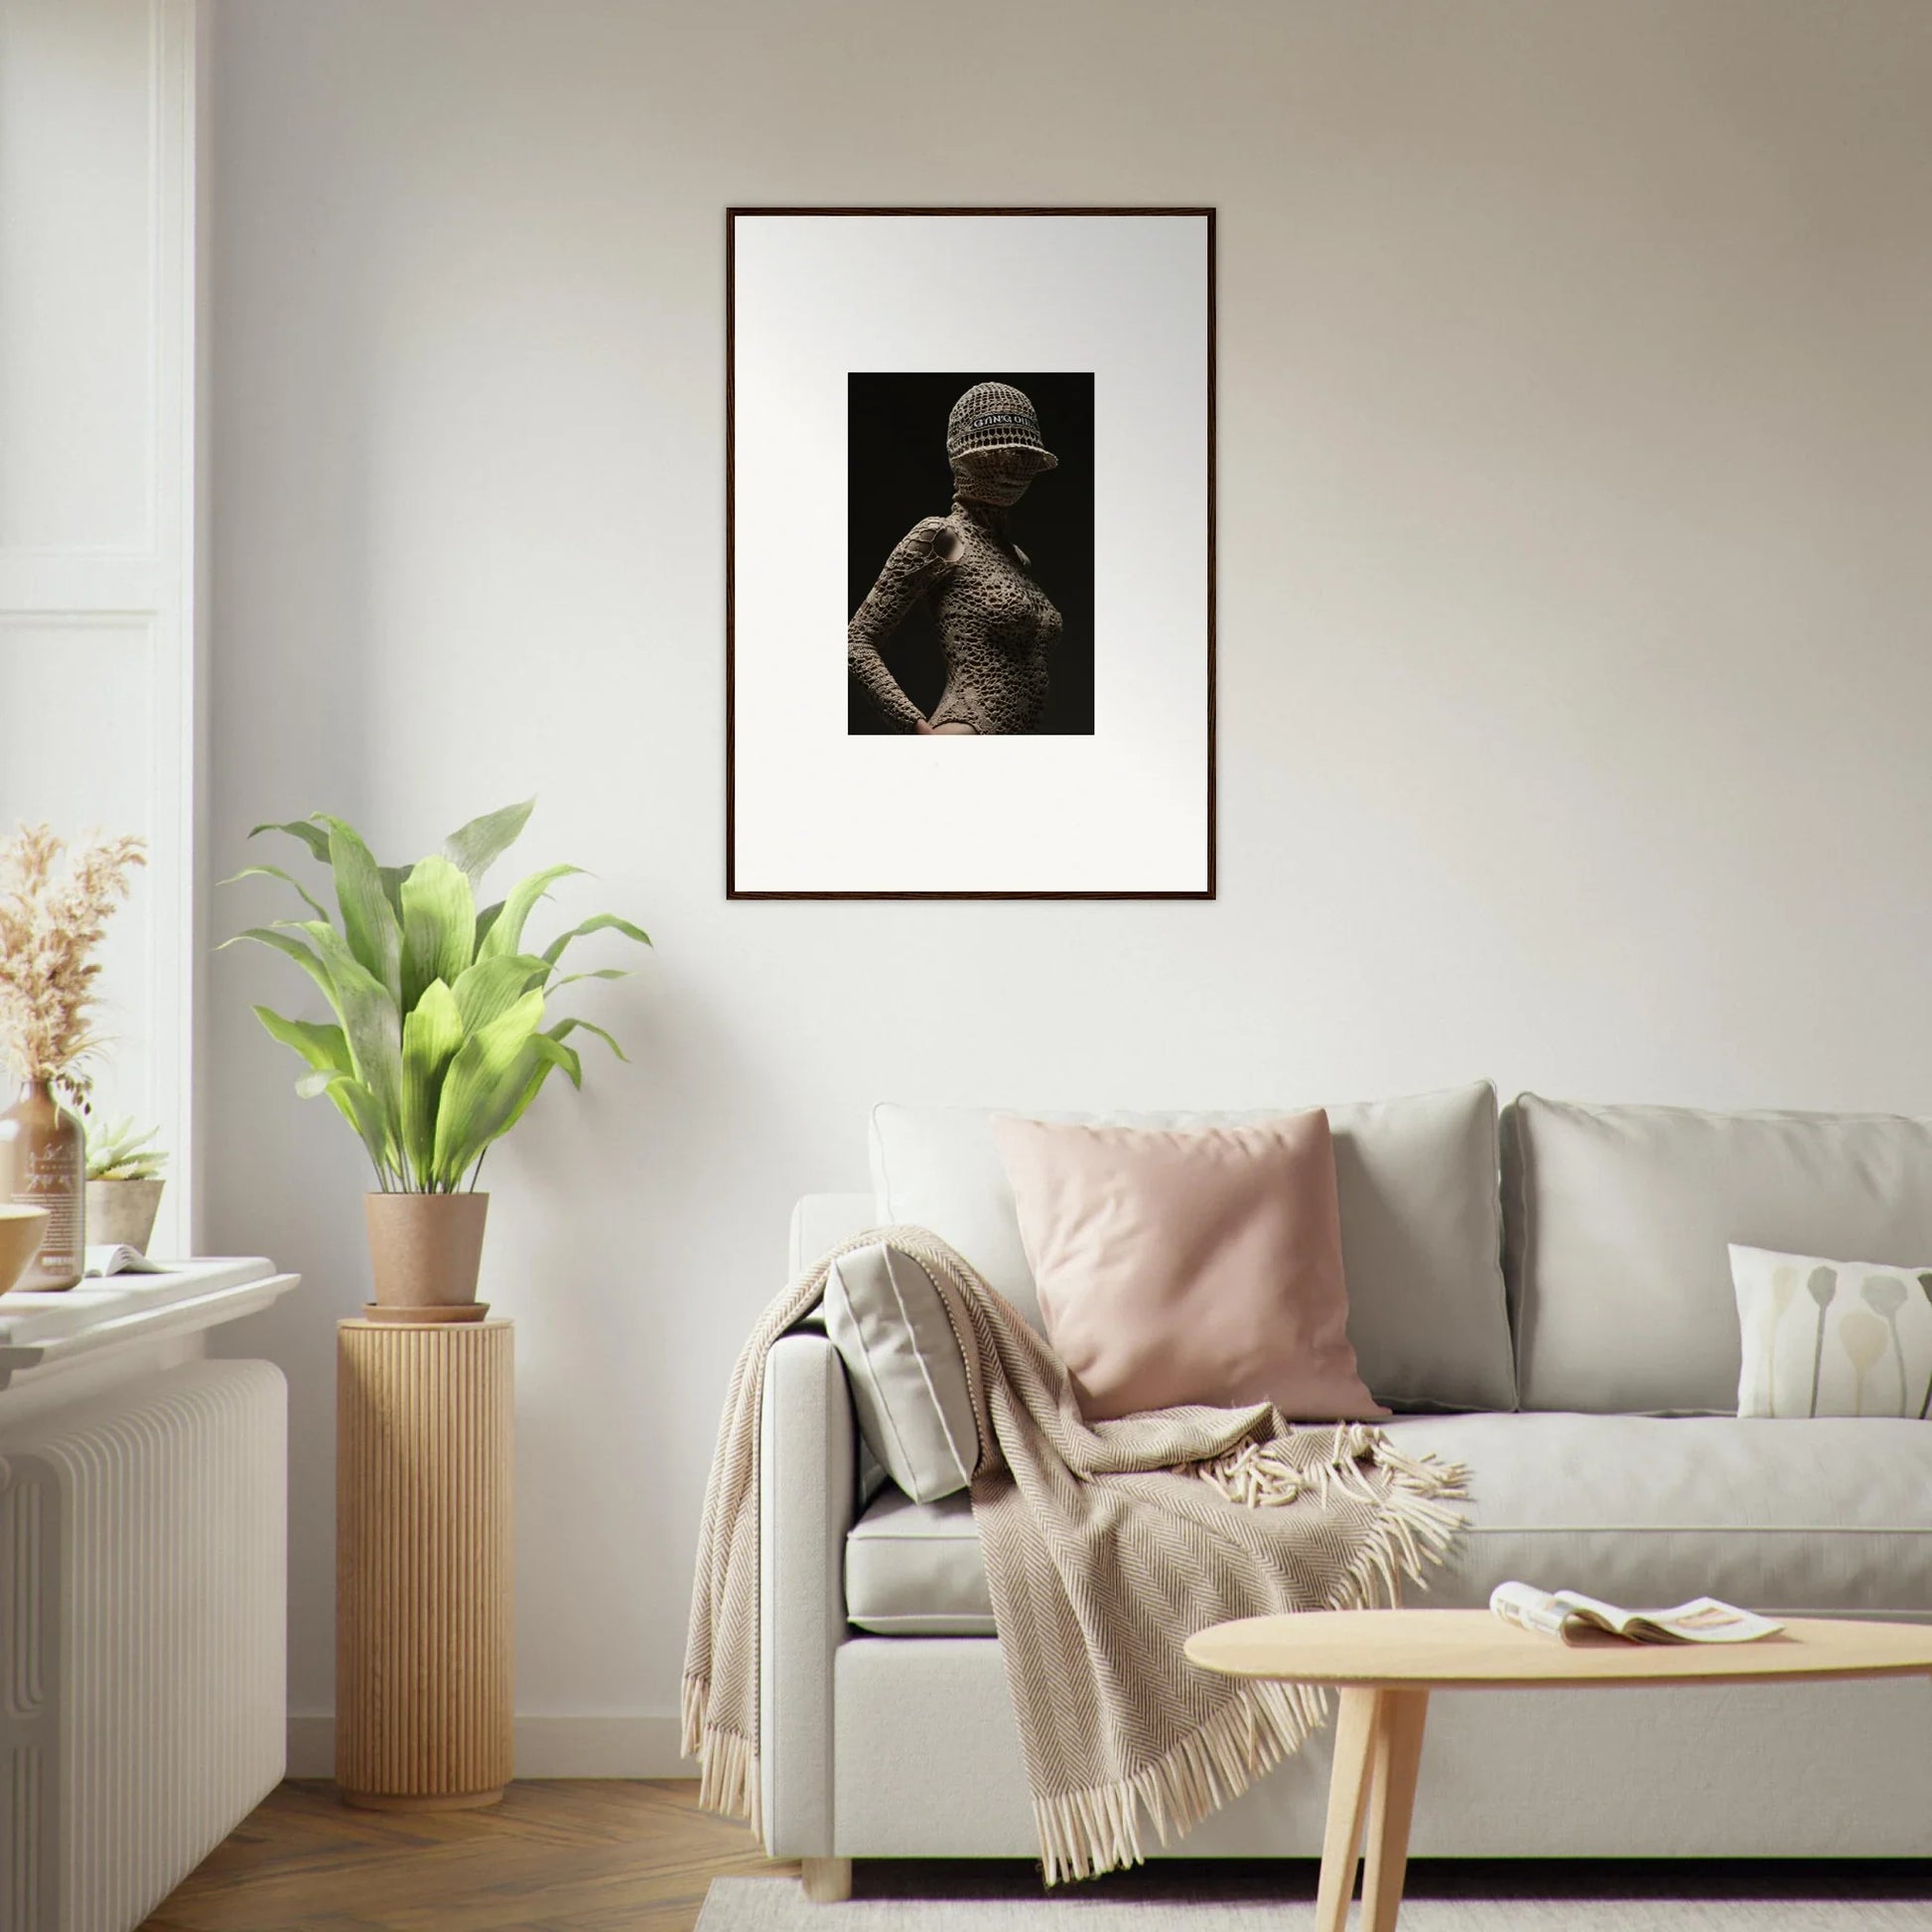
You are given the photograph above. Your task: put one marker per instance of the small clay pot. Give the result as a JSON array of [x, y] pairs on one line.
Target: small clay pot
[[120, 1213], [426, 1249]]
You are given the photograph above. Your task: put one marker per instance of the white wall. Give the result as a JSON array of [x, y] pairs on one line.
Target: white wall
[[1577, 443]]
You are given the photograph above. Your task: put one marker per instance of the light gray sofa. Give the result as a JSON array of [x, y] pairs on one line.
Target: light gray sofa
[[1567, 1289]]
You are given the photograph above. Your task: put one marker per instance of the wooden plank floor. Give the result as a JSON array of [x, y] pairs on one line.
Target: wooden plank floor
[[605, 1857], [553, 1857]]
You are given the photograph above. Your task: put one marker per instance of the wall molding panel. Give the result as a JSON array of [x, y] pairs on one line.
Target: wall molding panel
[[108, 433]]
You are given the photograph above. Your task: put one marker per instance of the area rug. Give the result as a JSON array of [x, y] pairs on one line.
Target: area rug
[[1552, 1897]]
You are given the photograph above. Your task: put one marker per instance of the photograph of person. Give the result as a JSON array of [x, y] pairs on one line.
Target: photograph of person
[[998, 645]]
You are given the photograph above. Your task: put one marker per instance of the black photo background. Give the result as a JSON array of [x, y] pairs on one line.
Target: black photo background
[[896, 472]]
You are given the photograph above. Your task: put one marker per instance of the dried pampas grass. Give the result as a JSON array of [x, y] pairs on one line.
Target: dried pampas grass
[[55, 905]]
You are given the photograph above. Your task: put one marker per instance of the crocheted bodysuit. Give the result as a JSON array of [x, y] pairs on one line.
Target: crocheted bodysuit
[[996, 626]]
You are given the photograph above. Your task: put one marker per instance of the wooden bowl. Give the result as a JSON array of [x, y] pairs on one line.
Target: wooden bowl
[[22, 1230]]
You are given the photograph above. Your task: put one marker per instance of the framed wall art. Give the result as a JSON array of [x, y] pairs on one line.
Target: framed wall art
[[970, 496]]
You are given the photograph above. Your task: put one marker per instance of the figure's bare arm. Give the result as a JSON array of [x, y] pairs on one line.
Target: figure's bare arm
[[920, 560]]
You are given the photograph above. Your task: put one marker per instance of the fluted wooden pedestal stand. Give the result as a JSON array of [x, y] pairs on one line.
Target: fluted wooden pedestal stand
[[423, 1578]]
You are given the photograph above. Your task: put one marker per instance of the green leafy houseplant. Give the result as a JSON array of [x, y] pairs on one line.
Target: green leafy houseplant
[[438, 1043]]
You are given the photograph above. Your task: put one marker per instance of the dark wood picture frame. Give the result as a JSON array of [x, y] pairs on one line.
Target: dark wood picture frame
[[731, 888]]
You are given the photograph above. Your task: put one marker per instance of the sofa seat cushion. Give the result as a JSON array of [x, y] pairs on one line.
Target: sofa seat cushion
[[914, 1569], [1811, 1518]]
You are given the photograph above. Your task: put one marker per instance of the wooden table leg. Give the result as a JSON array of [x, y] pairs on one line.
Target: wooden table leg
[[1355, 1733], [1400, 1719]]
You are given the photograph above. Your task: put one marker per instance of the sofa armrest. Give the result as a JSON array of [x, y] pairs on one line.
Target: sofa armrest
[[807, 1487]]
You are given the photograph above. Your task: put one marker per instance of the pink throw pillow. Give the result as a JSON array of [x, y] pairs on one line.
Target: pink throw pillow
[[1190, 1266]]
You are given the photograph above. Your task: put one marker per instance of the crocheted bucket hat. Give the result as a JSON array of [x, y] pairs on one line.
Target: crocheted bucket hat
[[997, 416]]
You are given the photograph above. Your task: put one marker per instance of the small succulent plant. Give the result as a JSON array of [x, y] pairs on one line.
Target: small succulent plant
[[119, 1153]]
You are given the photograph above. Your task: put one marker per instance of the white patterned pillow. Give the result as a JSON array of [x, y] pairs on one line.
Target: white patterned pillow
[[1832, 1338]]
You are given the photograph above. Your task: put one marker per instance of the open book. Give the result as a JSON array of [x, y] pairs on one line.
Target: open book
[[118, 1259], [1577, 1618]]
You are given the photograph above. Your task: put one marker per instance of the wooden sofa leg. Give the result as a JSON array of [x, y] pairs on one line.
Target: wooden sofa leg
[[828, 1881]]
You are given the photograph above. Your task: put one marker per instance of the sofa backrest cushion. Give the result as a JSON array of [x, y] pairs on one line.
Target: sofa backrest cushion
[[1421, 1229], [1620, 1221], [819, 1222]]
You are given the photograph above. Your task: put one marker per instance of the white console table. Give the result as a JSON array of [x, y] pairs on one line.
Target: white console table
[[143, 1560]]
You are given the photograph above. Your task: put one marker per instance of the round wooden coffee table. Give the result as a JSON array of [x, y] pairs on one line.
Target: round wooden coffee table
[[1386, 1662]]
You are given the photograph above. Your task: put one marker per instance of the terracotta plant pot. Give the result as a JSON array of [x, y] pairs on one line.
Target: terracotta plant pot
[[426, 1249], [121, 1214], [22, 1229]]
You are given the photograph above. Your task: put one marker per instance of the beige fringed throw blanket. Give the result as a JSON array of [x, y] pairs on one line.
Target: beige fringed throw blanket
[[1107, 1546]]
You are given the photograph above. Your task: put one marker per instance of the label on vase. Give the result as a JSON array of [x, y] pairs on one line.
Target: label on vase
[[49, 1182]]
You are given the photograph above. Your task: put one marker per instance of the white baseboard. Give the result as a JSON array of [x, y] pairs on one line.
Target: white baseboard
[[636, 1746]]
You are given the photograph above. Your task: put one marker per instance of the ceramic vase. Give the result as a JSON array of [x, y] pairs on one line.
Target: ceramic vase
[[44, 1164]]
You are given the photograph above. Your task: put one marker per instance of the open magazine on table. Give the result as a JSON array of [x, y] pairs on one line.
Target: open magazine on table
[[1577, 1618]]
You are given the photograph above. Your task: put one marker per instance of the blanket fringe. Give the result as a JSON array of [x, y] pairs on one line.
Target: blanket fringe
[[729, 1783], [694, 1703], [728, 1777], [1101, 1828], [1414, 1495], [1418, 1523]]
